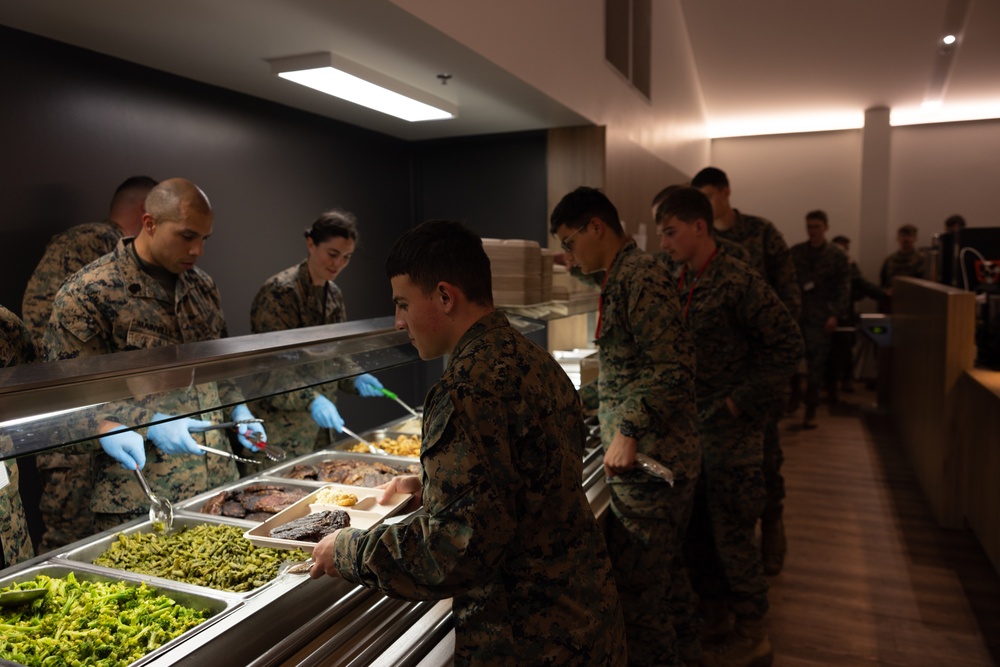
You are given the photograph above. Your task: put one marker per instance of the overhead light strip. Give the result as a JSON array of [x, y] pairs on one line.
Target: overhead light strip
[[355, 83]]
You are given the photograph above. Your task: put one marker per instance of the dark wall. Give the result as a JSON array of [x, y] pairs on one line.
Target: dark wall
[[496, 183], [75, 123]]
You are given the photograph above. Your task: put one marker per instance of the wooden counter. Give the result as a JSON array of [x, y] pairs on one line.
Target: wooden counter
[[933, 345], [979, 439]]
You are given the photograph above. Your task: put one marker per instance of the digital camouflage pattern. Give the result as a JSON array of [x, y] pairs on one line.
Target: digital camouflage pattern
[[288, 301], [508, 533], [15, 544], [747, 345], [65, 254], [114, 306], [726, 247], [646, 387], [911, 264], [824, 280], [768, 255]]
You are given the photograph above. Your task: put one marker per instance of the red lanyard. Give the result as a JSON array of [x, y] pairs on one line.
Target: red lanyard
[[694, 282], [600, 307]]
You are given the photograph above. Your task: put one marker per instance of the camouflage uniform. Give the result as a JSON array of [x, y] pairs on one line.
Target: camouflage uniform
[[288, 300], [508, 533], [113, 306], [646, 386], [907, 264], [66, 479], [770, 257], [823, 278], [747, 344], [841, 363], [726, 247], [15, 544]]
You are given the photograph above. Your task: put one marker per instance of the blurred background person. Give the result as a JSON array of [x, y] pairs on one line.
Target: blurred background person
[[15, 544]]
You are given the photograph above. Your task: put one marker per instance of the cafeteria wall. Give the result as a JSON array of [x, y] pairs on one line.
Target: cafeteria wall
[[934, 170]]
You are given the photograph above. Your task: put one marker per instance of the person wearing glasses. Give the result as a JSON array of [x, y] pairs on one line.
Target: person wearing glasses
[[305, 295], [646, 404]]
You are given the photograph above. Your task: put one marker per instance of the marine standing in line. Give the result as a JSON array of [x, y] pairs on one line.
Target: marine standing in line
[[15, 543], [508, 532], [822, 272], [646, 394], [67, 479], [746, 345], [146, 294], [306, 296], [770, 257], [907, 261]]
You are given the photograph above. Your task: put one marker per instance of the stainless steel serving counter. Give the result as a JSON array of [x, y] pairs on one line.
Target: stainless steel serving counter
[[293, 620]]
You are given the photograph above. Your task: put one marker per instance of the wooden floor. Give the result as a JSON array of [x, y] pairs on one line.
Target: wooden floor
[[869, 578]]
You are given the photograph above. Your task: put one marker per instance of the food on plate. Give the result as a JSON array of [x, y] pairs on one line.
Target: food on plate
[[402, 445], [257, 502], [91, 623], [331, 496], [212, 555], [351, 471], [312, 527]]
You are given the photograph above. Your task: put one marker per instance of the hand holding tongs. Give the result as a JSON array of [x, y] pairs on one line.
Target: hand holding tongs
[[273, 452]]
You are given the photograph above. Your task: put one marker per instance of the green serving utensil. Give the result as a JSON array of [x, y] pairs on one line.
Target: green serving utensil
[[389, 394]]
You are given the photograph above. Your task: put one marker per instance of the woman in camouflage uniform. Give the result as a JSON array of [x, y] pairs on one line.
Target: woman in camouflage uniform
[[306, 296]]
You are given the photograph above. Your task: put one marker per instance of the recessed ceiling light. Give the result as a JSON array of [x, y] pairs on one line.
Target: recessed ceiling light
[[949, 40], [355, 83]]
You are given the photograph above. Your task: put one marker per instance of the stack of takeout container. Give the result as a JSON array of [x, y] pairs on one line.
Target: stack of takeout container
[[516, 265]]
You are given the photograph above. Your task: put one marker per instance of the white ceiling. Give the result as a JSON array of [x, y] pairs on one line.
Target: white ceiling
[[770, 59]]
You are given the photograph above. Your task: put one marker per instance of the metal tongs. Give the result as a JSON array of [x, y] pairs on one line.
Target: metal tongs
[[229, 455], [160, 510], [371, 448], [654, 468], [389, 394], [273, 452], [302, 567]]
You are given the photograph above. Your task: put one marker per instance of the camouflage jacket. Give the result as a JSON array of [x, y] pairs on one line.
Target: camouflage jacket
[[726, 247], [15, 545], [860, 288], [508, 531], [65, 254], [114, 306], [647, 366], [824, 279], [768, 255], [747, 346], [910, 264]]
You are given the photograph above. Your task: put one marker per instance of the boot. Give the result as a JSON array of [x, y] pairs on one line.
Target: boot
[[716, 621], [772, 546], [747, 646], [809, 422]]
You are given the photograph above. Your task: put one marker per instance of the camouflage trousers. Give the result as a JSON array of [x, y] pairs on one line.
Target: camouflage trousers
[[644, 533], [774, 481], [67, 484], [818, 343], [721, 549]]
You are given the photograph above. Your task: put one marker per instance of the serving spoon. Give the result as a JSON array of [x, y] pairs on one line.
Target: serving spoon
[[161, 512]]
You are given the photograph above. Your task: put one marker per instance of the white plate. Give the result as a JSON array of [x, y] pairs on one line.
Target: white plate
[[363, 519]]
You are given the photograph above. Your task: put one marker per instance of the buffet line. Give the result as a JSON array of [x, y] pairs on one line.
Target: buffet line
[[221, 587]]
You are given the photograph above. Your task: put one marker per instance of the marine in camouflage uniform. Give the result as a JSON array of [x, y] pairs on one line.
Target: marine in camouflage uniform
[[823, 277], [508, 531], [15, 543], [114, 305], [734, 250], [289, 300], [909, 264]]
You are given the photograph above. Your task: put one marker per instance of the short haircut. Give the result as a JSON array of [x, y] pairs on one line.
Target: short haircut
[[687, 205], [443, 250], [710, 176], [167, 200], [577, 208], [333, 223], [908, 230], [818, 215], [955, 221], [662, 194], [840, 238], [132, 189]]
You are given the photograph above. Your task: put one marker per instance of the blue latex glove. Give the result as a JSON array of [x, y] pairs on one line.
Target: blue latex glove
[[173, 437], [126, 447], [325, 413], [368, 386], [241, 412]]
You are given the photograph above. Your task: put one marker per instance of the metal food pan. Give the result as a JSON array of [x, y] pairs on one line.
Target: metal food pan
[[90, 551], [194, 505], [407, 424], [375, 435], [217, 606], [279, 473]]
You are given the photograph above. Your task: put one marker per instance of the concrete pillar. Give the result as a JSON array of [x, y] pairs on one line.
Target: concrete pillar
[[873, 246]]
